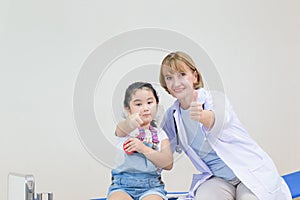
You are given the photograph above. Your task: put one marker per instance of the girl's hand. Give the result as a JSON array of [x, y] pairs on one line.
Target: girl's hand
[[134, 144], [134, 121], [126, 126]]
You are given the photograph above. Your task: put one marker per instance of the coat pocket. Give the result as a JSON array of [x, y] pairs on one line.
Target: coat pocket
[[266, 175]]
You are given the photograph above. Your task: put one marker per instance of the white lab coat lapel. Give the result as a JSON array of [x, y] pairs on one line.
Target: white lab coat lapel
[[198, 179], [199, 164], [181, 132]]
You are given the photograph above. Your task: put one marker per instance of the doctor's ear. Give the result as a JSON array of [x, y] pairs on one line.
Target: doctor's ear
[[196, 77]]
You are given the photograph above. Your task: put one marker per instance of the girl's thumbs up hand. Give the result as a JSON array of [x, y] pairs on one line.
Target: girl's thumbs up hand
[[134, 121], [196, 109]]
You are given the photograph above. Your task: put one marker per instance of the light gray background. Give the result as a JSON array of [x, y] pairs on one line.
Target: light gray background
[[254, 44]]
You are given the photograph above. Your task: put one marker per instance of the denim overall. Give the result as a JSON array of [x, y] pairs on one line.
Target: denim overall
[[138, 176]]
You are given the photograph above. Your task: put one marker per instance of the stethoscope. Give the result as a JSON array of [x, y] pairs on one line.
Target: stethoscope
[[178, 148]]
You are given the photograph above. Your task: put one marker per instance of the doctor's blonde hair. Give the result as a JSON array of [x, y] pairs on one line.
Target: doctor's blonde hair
[[172, 60]]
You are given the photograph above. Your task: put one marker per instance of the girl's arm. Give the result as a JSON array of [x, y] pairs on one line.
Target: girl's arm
[[162, 159], [128, 125]]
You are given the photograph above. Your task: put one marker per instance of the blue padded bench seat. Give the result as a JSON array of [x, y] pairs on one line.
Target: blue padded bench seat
[[292, 180], [169, 193]]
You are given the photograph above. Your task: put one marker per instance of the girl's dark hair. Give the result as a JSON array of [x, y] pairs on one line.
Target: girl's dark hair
[[132, 88]]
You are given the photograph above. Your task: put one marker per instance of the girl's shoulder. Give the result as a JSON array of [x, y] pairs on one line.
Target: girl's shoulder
[[161, 134], [134, 133]]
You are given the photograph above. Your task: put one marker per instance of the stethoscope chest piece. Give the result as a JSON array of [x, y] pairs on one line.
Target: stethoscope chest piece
[[178, 149]]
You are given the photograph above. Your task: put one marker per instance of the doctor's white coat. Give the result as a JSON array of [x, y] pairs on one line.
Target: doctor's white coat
[[232, 144]]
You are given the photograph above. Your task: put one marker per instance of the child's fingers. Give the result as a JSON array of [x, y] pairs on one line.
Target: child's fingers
[[141, 112], [126, 144], [138, 119], [131, 144]]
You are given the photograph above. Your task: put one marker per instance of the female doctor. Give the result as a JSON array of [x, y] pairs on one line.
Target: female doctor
[[204, 125]]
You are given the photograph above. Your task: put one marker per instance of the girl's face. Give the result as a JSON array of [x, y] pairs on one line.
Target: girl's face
[[144, 103], [180, 84]]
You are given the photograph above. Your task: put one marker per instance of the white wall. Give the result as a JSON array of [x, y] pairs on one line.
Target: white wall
[[254, 44]]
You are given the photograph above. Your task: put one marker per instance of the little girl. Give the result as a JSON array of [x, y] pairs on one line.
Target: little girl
[[144, 148]]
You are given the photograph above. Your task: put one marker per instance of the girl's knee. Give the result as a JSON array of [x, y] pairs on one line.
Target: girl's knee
[[152, 197]]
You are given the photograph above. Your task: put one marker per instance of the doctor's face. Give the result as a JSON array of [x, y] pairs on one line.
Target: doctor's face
[[180, 83]]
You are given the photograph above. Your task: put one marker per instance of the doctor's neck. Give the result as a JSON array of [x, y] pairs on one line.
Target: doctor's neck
[[186, 102]]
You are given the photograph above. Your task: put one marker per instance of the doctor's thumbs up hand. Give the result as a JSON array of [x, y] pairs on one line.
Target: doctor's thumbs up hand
[[197, 113], [196, 109]]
